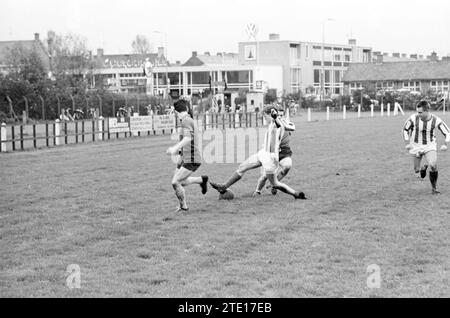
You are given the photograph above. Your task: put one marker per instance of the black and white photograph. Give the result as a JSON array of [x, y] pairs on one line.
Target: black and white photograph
[[225, 154]]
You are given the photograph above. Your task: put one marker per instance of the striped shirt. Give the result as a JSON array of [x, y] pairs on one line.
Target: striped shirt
[[272, 138], [423, 132], [190, 153]]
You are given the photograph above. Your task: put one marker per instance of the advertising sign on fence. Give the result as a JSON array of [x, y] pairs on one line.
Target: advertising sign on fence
[[141, 123], [115, 126], [165, 122]]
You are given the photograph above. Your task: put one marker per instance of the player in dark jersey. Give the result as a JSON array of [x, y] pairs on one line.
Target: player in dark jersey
[[188, 150]]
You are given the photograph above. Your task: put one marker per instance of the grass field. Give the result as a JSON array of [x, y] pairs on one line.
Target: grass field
[[101, 206]]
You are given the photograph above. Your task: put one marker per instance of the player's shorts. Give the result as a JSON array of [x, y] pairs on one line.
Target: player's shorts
[[192, 166], [268, 161], [419, 150]]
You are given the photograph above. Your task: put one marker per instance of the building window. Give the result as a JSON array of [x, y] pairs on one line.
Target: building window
[[412, 86], [316, 76], [337, 76], [294, 53], [440, 86], [337, 57], [327, 76], [347, 58], [317, 63]]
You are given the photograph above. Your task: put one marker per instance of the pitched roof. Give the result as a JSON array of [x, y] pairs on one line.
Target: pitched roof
[[398, 71], [225, 59], [5, 46]]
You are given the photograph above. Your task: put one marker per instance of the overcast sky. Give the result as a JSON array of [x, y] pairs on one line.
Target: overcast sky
[[404, 26]]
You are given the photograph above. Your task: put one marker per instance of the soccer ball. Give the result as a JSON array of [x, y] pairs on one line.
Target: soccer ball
[[227, 195]]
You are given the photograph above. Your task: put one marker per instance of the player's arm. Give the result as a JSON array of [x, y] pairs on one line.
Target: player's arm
[[177, 147], [446, 132], [288, 126], [407, 129]]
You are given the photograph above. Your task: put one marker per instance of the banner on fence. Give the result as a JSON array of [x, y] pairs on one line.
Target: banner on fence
[[141, 123], [114, 126], [165, 122]]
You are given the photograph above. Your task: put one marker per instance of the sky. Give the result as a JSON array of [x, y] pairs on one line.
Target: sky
[[184, 26]]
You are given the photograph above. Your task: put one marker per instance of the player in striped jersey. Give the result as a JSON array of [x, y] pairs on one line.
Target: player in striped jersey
[[189, 156], [285, 163], [419, 134], [267, 157]]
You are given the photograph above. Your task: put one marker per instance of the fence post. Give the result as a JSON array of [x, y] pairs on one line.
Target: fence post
[[344, 112], [359, 110], [388, 109], [207, 121], [25, 117], [57, 132], [443, 107], [382, 110], [309, 113], [3, 138], [371, 110], [328, 112], [43, 107], [100, 128]]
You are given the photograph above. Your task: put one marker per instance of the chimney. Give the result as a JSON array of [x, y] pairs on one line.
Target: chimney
[[395, 54], [207, 53], [413, 56], [352, 42], [99, 52], [433, 57], [160, 51], [194, 53], [274, 36], [36, 36], [379, 58]]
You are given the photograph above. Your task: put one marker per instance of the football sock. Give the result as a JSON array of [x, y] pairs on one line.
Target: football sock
[[235, 177], [192, 180], [179, 192], [282, 174], [433, 178], [260, 184], [286, 189]]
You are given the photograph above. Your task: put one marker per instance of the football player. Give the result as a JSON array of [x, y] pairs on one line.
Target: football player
[[267, 157], [419, 135]]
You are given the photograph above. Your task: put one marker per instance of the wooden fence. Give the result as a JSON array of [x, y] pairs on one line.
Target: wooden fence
[[56, 133]]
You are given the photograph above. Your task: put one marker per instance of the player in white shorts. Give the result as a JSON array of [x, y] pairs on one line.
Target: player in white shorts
[[419, 135], [267, 157]]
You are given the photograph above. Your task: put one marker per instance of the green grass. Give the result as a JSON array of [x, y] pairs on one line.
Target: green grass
[[101, 206]]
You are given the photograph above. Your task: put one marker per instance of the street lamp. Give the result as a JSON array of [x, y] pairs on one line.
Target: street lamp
[[322, 82]]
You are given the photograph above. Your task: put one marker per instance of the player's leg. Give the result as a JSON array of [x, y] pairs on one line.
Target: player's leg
[[261, 182], [283, 187], [250, 163], [283, 169], [202, 181], [431, 158], [417, 159], [179, 177]]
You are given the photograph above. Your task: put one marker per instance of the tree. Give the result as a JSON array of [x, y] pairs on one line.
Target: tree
[[141, 45], [70, 55], [25, 64]]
